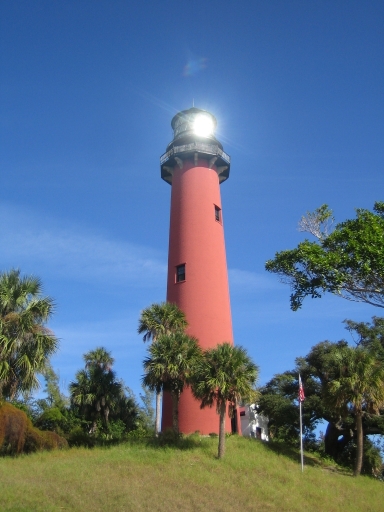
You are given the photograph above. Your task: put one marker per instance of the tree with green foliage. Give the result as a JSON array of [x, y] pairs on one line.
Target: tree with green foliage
[[359, 385], [96, 391], [54, 398], [319, 369], [26, 344], [54, 413], [125, 410], [348, 261], [319, 366], [278, 401], [99, 358], [170, 366], [147, 411], [368, 335], [224, 376], [160, 319]]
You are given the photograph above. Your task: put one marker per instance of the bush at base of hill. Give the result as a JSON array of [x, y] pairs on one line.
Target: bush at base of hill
[[77, 437], [372, 461], [106, 436], [18, 435]]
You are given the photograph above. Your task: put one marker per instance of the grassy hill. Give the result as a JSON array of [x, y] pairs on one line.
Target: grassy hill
[[137, 477]]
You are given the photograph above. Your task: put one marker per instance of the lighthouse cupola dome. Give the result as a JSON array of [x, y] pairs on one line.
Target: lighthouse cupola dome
[[194, 138], [194, 123]]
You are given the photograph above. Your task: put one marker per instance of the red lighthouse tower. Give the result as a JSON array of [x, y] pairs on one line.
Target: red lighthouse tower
[[195, 165]]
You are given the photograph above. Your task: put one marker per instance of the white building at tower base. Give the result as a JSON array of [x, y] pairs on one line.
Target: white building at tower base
[[253, 424]]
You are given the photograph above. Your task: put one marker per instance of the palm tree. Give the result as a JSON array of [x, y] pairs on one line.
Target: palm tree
[[225, 375], [359, 383], [170, 366], [161, 318], [99, 357], [158, 319], [96, 391], [25, 343]]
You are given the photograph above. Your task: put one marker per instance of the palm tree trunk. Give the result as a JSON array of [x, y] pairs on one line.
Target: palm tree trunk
[[13, 390], [175, 412], [158, 406], [359, 443], [223, 410], [106, 415]]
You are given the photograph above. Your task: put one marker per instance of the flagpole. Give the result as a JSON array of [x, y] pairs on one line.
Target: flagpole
[[301, 440], [301, 399]]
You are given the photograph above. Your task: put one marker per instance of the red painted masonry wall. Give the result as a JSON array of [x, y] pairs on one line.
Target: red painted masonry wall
[[197, 240]]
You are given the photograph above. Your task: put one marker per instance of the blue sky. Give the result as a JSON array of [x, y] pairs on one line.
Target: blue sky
[[87, 93]]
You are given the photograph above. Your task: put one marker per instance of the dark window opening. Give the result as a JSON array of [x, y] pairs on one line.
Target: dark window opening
[[217, 213], [234, 428], [180, 273]]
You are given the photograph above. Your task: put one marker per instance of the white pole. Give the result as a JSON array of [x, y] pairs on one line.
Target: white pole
[[301, 440]]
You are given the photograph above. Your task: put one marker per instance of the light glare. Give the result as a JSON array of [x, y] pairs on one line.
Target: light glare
[[203, 125]]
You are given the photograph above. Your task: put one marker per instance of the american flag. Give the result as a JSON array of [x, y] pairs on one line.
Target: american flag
[[301, 391]]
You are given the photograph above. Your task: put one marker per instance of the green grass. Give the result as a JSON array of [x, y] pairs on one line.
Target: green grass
[[137, 477]]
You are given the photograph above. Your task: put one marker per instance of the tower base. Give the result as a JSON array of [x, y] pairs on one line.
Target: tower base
[[205, 421]]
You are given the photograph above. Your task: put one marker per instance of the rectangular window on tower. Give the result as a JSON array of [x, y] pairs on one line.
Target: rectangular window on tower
[[217, 213], [180, 273]]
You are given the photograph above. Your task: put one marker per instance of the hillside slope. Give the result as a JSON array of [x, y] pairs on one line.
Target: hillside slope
[[136, 477]]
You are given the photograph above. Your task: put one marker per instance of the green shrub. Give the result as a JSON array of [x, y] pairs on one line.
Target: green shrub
[[168, 437], [372, 461], [139, 433], [179, 441], [114, 433], [52, 419], [194, 438], [77, 437]]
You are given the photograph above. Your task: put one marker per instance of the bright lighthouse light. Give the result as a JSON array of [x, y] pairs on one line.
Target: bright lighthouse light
[[203, 125]]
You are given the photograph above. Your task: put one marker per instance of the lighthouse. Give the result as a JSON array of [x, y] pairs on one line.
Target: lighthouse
[[195, 165]]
